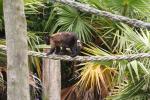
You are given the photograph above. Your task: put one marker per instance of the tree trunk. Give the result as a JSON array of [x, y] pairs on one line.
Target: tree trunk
[[17, 58], [51, 79]]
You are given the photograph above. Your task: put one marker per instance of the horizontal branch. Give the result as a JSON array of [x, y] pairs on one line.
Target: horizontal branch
[[88, 9], [86, 58]]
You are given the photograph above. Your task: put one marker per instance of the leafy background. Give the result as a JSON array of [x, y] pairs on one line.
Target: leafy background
[[113, 80]]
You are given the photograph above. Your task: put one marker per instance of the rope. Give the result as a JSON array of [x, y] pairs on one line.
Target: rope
[[86, 58]]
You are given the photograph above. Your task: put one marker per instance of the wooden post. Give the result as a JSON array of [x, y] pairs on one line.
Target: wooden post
[[51, 79]]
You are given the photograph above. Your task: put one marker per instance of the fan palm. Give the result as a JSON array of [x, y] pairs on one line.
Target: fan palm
[[71, 20], [135, 42], [131, 8], [95, 77]]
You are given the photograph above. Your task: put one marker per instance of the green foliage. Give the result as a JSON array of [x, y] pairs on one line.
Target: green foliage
[[71, 20], [34, 62], [129, 40], [1, 8], [99, 4], [131, 8], [1, 16], [97, 75], [2, 54], [134, 91], [109, 36], [137, 71], [137, 40]]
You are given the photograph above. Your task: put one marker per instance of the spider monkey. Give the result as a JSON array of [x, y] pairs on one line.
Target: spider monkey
[[62, 40]]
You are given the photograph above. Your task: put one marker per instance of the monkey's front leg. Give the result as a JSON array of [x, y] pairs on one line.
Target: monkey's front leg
[[57, 50], [51, 51], [63, 51]]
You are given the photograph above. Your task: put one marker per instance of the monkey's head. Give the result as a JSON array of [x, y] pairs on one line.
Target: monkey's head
[[79, 44], [47, 39]]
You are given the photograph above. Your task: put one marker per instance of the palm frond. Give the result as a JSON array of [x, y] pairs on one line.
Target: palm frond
[[32, 6], [98, 75], [33, 41], [69, 19], [134, 91], [131, 8]]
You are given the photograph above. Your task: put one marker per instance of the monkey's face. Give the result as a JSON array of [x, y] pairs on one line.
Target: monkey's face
[[79, 44], [47, 40]]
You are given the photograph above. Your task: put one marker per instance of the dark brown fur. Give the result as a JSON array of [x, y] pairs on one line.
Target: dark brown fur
[[62, 40]]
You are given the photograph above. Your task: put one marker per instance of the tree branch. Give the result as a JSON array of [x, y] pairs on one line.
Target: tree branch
[[91, 10]]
